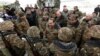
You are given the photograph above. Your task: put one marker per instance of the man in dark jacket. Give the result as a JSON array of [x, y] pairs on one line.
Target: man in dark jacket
[[34, 16], [97, 10], [31, 17], [60, 19], [65, 11], [27, 8]]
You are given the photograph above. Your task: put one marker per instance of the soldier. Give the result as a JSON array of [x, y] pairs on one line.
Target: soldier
[[21, 25], [74, 24], [60, 19], [39, 14], [77, 12], [97, 10], [78, 28], [42, 24], [65, 11], [91, 46], [63, 46], [3, 50], [14, 44], [51, 30], [27, 8], [73, 21], [86, 19], [96, 19], [34, 32]]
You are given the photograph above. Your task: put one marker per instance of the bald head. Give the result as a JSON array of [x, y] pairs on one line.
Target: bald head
[[89, 16], [58, 13]]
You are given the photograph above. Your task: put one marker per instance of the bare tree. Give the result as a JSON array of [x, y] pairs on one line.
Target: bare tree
[[48, 3]]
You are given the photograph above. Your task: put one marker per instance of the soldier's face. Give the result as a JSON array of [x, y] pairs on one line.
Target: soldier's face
[[72, 20], [65, 9], [51, 23], [23, 17], [88, 17], [58, 14], [45, 17], [75, 8]]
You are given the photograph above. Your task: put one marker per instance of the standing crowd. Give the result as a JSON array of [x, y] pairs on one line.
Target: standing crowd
[[50, 32]]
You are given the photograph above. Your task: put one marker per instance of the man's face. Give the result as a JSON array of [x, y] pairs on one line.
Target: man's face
[[58, 14], [72, 19], [88, 17], [75, 8], [51, 23], [64, 8], [23, 17], [45, 17]]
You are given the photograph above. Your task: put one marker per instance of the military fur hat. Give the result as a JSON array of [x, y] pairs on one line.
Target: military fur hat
[[93, 31], [14, 40], [65, 34], [33, 31], [6, 25]]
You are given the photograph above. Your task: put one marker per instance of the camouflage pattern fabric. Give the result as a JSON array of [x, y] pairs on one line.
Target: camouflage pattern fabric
[[6, 25]]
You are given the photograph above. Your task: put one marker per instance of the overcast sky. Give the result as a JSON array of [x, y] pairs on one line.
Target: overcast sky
[[84, 5], [22, 2]]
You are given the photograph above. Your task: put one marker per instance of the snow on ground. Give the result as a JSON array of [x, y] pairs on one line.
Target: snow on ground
[[84, 5]]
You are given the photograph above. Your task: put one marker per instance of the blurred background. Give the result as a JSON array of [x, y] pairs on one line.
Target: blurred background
[[84, 5]]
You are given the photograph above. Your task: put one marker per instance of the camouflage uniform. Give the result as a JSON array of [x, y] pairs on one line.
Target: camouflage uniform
[[78, 14], [64, 45], [75, 25], [34, 33], [4, 26], [17, 45], [3, 50], [42, 26], [91, 39], [51, 33], [21, 25]]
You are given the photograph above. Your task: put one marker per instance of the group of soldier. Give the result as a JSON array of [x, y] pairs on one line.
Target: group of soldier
[[50, 32]]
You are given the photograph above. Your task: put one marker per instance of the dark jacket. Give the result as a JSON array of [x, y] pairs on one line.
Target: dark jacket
[[61, 21], [96, 10], [32, 19]]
